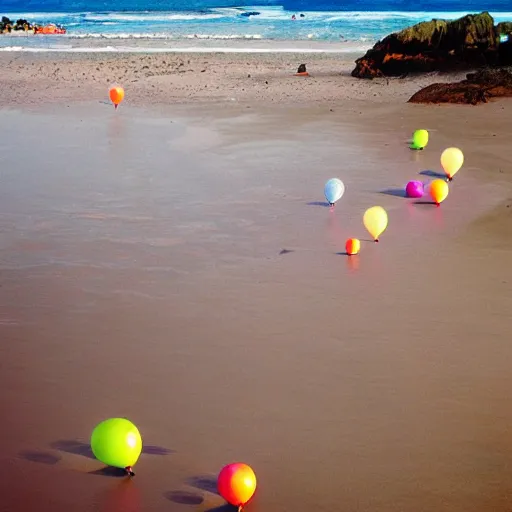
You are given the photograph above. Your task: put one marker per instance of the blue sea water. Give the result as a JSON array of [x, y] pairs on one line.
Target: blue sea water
[[352, 21]]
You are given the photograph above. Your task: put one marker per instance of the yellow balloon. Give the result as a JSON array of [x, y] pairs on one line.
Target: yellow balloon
[[452, 160], [375, 220]]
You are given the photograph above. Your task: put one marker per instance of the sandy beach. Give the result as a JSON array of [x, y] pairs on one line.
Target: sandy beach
[[174, 262], [151, 79]]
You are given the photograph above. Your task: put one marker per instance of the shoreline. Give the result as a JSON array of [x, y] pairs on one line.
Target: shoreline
[[77, 44]]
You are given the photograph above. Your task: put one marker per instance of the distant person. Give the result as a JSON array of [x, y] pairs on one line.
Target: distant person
[[294, 17]]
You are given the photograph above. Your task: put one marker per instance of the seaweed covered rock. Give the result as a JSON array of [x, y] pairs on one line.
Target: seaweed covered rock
[[465, 43], [478, 88]]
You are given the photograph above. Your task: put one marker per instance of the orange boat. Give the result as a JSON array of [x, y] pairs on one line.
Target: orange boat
[[50, 29]]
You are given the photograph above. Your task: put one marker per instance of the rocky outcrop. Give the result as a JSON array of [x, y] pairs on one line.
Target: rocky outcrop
[[8, 27], [439, 45], [478, 87], [504, 35]]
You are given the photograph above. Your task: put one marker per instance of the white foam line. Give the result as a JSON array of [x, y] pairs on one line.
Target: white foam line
[[182, 50]]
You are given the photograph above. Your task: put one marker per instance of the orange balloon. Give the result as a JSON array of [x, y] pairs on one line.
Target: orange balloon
[[352, 246], [439, 191], [236, 483], [116, 94]]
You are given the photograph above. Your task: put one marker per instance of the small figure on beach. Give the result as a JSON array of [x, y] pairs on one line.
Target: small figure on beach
[[301, 71], [294, 17]]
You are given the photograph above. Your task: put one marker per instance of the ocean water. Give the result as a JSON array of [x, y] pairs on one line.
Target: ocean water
[[191, 23]]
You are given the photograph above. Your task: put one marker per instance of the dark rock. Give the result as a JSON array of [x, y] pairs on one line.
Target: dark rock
[[504, 35], [302, 68], [478, 87], [5, 25], [22, 24], [438, 45]]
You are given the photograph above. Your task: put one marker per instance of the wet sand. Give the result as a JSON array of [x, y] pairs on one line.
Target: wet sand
[[142, 276]]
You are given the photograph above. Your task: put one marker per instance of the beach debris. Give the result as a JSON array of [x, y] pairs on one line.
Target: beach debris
[[419, 139], [285, 251], [116, 94], [451, 161], [236, 483], [352, 246], [301, 71], [334, 190], [414, 189], [464, 43], [478, 87], [117, 443], [375, 220], [439, 191]]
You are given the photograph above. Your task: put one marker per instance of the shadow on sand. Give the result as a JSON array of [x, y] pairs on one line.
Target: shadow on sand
[[74, 447], [397, 192], [424, 203], [433, 174], [206, 483], [110, 471], [325, 204], [184, 497], [84, 449], [40, 457]]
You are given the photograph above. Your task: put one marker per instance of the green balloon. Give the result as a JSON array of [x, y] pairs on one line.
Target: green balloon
[[419, 139], [116, 442]]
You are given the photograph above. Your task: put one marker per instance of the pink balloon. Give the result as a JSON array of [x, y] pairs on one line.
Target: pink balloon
[[414, 189]]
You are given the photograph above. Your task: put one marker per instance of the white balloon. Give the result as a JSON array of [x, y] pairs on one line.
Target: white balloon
[[334, 190]]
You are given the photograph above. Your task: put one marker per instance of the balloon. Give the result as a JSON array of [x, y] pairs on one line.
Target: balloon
[[236, 483], [375, 220], [439, 191], [451, 161], [334, 190], [116, 94], [419, 139], [414, 189], [352, 246], [116, 442]]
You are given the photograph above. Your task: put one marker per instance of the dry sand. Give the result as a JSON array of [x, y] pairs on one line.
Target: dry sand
[[142, 276], [170, 78]]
